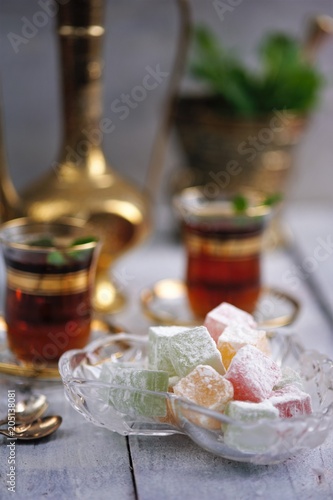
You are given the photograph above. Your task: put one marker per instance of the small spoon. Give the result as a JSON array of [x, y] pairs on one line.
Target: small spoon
[[36, 430], [29, 409]]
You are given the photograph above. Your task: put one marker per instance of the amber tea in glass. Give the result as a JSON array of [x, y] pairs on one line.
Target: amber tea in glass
[[223, 250], [48, 290]]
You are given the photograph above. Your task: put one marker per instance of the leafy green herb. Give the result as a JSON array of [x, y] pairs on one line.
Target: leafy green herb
[[240, 203], [285, 79], [41, 242], [83, 240], [273, 199], [59, 256], [56, 258]]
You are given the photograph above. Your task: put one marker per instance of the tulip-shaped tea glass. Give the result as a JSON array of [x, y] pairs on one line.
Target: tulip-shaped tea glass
[[50, 274], [223, 240]]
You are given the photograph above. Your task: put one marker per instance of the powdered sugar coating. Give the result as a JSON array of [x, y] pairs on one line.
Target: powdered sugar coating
[[126, 384], [158, 353], [235, 337], [251, 412], [257, 439], [289, 377], [224, 315], [253, 374], [291, 402], [205, 387], [194, 347]]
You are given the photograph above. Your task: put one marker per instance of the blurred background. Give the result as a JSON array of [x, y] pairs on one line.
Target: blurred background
[[142, 33]]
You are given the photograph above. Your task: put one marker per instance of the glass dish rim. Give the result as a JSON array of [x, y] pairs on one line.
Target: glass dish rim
[[68, 379]]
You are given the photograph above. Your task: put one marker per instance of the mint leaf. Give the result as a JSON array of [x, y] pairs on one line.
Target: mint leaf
[[56, 258], [83, 240], [79, 255], [240, 203], [284, 78], [41, 242], [273, 199]]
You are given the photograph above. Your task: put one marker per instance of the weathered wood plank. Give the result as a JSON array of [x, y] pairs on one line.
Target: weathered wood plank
[[79, 461], [312, 325], [312, 230], [173, 467]]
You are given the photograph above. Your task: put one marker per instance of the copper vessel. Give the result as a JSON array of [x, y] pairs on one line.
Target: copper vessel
[[228, 153]]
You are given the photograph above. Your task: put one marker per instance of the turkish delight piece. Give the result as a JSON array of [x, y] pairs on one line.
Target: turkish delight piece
[[289, 377], [188, 349], [224, 315], [253, 374], [106, 375], [245, 411], [158, 351], [126, 392], [171, 415], [291, 402], [172, 382], [237, 336], [205, 387], [259, 437]]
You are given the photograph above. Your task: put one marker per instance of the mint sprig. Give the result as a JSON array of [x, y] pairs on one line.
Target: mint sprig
[[273, 199], [83, 240], [56, 258], [60, 257], [284, 78], [41, 242], [241, 203]]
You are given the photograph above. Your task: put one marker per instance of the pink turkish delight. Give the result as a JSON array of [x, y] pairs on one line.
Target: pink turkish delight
[[291, 402], [225, 315], [252, 374]]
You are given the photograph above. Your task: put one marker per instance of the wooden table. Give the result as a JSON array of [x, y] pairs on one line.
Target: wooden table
[[86, 462]]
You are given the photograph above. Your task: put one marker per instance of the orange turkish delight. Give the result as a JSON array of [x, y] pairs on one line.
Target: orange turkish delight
[[235, 337], [205, 387]]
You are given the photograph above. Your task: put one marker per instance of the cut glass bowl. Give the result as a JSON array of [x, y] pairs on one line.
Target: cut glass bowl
[[263, 442]]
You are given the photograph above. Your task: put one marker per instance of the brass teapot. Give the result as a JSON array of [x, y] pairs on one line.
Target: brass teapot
[[9, 200], [81, 183]]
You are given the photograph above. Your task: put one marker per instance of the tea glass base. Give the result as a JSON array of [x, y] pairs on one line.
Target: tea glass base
[[10, 365], [107, 298], [166, 303]]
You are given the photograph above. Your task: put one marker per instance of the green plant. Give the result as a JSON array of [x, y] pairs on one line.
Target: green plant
[[285, 79], [241, 202]]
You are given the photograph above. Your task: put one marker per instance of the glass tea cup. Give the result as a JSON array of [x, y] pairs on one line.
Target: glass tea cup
[[50, 276], [223, 245]]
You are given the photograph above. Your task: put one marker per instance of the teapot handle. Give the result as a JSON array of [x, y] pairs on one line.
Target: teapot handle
[[160, 143]]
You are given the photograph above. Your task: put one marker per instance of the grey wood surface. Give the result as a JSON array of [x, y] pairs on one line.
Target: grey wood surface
[[83, 461]]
